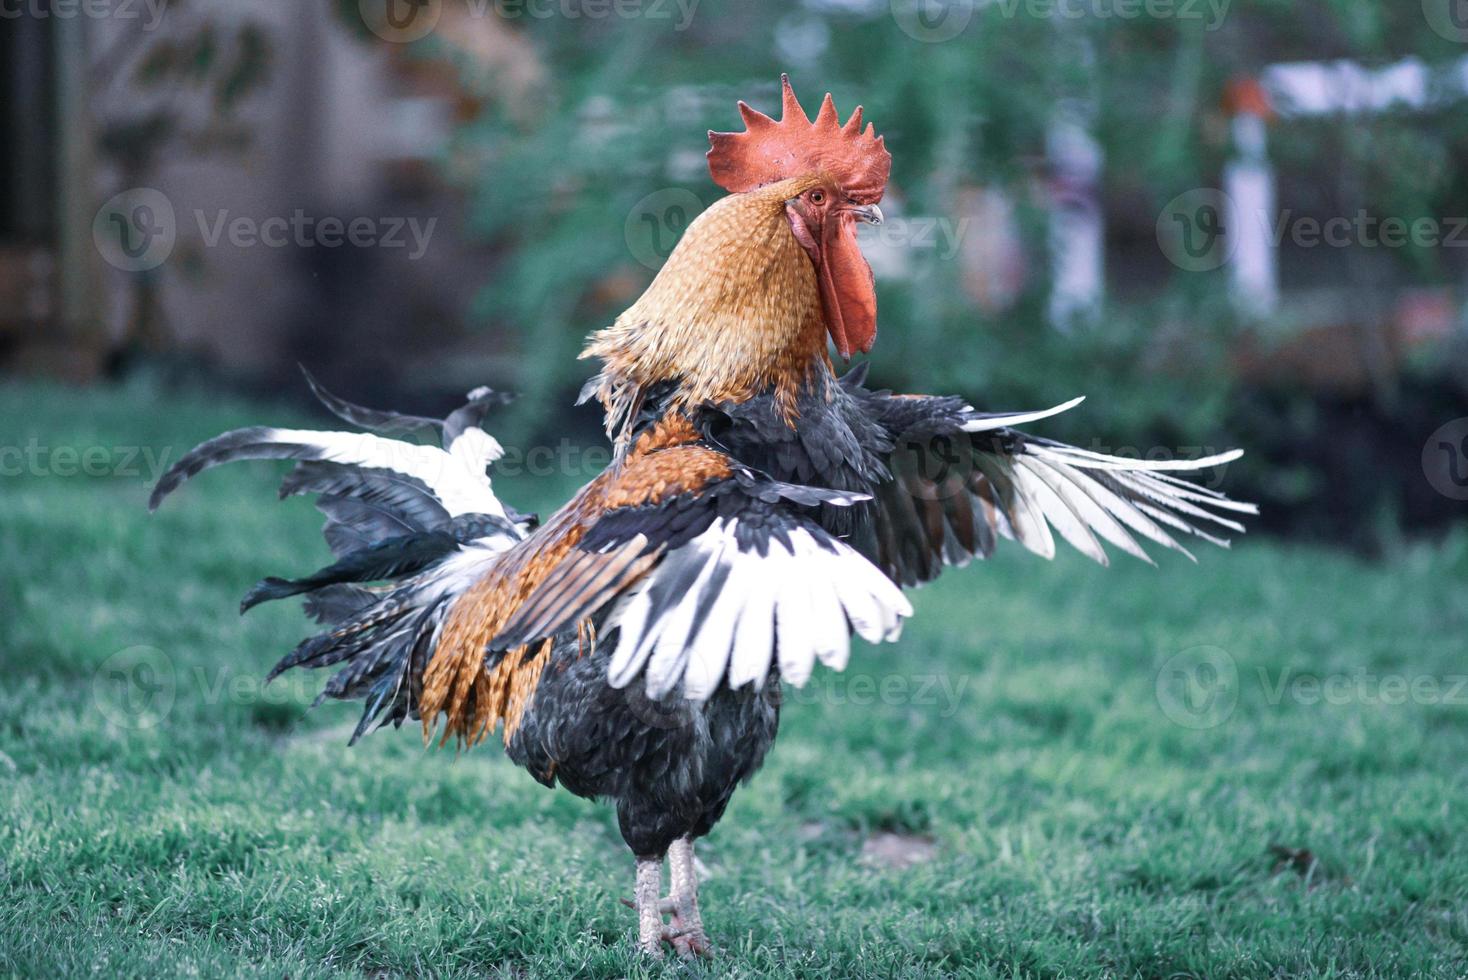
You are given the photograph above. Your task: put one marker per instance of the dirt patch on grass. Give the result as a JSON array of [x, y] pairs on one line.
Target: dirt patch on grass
[[889, 850]]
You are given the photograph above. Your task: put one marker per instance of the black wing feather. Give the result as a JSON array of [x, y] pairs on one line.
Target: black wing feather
[[953, 492]]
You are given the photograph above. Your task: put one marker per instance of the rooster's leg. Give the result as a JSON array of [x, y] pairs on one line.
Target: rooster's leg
[[686, 918], [648, 905]]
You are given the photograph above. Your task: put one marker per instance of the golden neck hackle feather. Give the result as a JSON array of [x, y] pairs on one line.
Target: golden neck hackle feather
[[734, 311]]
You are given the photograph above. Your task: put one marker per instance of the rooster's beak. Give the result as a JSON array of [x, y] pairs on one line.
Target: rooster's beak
[[869, 213]]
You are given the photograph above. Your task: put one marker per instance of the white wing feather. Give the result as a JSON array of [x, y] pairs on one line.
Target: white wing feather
[[794, 605]]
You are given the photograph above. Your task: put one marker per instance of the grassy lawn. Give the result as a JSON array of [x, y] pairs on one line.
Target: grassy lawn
[[1088, 768]]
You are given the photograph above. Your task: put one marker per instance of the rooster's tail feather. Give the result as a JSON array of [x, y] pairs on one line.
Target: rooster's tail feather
[[411, 526]]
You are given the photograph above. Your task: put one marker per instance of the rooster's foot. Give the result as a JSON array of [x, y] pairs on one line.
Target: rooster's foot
[[684, 930], [686, 916], [686, 941]]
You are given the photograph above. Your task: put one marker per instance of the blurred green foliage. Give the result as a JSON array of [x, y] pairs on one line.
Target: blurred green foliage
[[626, 102]]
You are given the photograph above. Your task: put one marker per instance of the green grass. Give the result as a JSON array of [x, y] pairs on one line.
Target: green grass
[[1077, 829]]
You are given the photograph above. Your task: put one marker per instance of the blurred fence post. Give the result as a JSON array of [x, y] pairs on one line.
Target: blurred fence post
[[1248, 185], [1077, 227]]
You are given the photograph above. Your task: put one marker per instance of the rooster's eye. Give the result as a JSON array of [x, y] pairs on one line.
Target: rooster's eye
[[817, 197]]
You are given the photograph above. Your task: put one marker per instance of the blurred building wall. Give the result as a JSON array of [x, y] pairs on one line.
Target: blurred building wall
[[340, 128]]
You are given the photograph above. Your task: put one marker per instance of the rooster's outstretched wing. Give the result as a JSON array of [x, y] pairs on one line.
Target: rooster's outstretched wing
[[961, 479]]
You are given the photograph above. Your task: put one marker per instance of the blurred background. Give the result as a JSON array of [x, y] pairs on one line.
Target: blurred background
[[1229, 222]]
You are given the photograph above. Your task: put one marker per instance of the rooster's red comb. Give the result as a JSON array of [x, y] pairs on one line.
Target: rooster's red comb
[[768, 151]]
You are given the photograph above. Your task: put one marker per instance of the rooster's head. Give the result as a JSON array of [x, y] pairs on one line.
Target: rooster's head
[[835, 174], [747, 299]]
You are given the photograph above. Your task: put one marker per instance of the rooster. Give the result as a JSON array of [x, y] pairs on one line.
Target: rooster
[[757, 512]]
